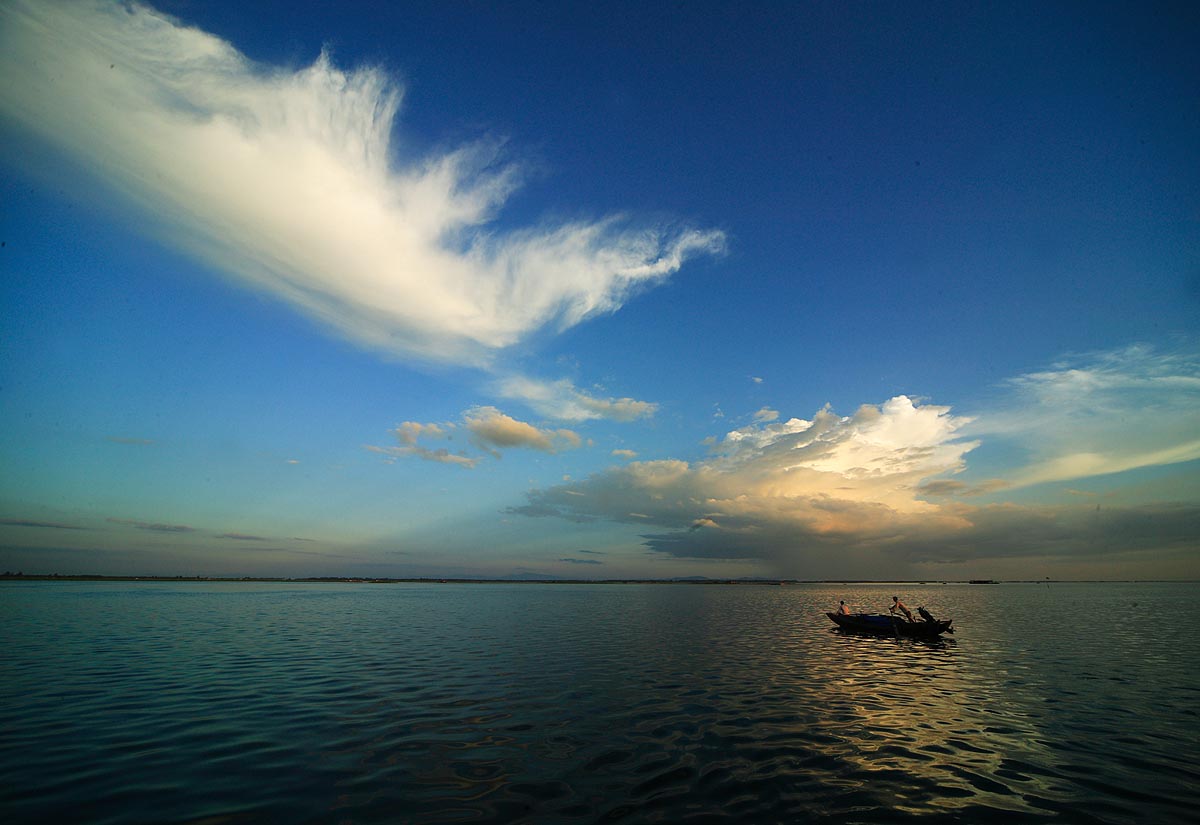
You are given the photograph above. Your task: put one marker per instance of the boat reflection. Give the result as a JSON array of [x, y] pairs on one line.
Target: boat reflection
[[932, 642], [916, 715]]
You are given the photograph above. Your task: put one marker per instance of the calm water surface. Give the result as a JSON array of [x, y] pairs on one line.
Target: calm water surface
[[215, 703]]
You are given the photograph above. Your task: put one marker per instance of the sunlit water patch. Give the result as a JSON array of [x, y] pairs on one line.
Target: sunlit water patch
[[155, 702]]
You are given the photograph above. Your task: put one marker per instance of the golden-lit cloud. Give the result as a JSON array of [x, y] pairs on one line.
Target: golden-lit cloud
[[492, 429], [488, 430], [410, 431], [886, 489], [834, 479], [878, 454], [564, 401], [440, 455], [288, 181]]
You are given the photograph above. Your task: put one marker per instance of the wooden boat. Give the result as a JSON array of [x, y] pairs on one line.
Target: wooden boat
[[885, 624]]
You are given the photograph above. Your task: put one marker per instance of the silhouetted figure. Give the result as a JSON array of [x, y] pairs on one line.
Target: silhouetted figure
[[899, 605]]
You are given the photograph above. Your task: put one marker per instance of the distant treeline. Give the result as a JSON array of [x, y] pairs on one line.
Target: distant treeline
[[374, 580], [7, 575]]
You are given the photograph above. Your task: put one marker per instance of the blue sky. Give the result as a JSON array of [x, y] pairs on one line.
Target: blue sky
[[600, 290]]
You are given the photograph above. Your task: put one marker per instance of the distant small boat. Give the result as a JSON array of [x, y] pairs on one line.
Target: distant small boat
[[884, 624]]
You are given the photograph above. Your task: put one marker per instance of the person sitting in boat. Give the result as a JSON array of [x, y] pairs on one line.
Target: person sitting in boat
[[899, 605], [842, 609]]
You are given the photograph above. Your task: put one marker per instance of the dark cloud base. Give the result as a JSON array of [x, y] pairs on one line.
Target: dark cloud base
[[997, 532], [1001, 532]]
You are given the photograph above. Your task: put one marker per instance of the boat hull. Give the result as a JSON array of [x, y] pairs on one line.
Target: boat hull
[[882, 624]]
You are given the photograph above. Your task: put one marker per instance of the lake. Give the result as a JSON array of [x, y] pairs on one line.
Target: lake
[[368, 703]]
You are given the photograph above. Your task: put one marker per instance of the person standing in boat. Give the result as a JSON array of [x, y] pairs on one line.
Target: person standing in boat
[[842, 609], [899, 605]]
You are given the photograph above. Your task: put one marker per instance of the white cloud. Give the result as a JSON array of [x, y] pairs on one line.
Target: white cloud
[[878, 454], [766, 414], [287, 181], [561, 399], [624, 453]]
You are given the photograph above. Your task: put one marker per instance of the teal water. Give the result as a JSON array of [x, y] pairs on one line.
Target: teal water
[[348, 703]]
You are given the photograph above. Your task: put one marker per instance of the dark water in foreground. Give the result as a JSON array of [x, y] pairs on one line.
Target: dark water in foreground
[[594, 703]]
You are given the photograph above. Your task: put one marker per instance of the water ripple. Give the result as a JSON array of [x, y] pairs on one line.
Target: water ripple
[[526, 703]]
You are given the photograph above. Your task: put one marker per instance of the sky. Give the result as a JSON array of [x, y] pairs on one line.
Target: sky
[[601, 291]]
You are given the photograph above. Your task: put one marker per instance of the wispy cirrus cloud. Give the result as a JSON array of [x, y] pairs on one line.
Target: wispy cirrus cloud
[[1099, 414], [287, 181], [950, 487]]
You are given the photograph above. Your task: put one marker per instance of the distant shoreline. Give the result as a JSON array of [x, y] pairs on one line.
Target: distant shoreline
[[75, 577]]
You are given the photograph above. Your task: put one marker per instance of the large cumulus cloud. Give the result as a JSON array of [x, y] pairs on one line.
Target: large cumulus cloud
[[773, 486], [876, 494]]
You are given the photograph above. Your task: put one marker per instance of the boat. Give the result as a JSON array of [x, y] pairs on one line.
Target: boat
[[885, 624]]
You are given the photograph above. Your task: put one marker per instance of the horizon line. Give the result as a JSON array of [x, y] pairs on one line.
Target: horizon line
[[21, 576]]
